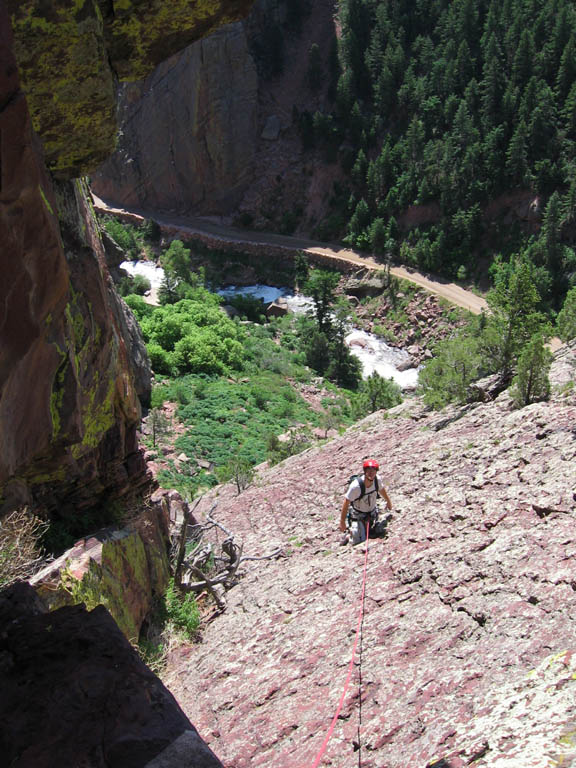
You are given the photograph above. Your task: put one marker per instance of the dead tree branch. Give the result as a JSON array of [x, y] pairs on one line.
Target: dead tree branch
[[203, 569], [182, 542]]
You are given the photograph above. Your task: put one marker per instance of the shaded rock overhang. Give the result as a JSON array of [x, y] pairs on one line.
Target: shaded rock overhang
[[72, 53]]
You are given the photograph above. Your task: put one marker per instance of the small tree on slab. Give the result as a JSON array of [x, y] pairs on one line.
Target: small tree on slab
[[566, 322], [531, 383]]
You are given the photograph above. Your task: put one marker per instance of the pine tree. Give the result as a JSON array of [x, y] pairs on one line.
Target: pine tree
[[377, 393], [523, 59], [320, 286], [531, 382], [566, 321], [455, 365], [517, 156], [567, 70], [515, 318]]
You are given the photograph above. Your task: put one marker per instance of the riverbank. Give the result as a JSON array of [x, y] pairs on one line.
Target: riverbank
[[375, 354]]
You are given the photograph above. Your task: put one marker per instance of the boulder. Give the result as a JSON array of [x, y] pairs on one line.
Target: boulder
[[125, 569], [75, 692], [276, 309]]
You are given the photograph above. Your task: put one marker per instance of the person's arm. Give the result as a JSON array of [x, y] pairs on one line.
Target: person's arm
[[384, 494], [343, 514]]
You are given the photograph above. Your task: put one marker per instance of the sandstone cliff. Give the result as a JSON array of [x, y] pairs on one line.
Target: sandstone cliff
[[188, 130], [470, 615], [69, 403], [232, 147], [73, 691]]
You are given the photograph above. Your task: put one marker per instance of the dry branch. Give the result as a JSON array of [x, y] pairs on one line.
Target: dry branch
[[224, 570]]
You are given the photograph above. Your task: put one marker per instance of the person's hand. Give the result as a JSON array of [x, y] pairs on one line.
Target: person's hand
[[389, 505], [342, 527]]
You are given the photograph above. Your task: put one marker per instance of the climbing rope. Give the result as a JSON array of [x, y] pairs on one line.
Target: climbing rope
[[350, 667], [363, 600]]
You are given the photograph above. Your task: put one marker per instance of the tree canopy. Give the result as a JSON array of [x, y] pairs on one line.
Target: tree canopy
[[458, 109]]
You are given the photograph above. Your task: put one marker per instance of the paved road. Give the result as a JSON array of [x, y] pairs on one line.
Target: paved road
[[207, 226]]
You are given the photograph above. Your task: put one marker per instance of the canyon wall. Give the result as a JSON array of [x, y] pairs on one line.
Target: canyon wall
[[73, 689], [214, 131], [188, 130], [69, 393]]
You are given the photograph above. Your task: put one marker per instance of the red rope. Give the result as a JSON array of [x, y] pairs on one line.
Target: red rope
[[351, 665]]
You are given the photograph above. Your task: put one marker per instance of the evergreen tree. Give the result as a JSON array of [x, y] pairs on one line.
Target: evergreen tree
[[321, 286], [317, 352], [447, 376], [567, 70], [515, 318], [531, 382], [377, 393], [360, 218], [566, 321], [168, 291], [523, 59], [378, 235], [301, 269], [345, 368], [517, 156]]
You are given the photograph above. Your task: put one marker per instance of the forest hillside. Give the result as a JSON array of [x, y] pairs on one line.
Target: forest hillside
[[434, 133]]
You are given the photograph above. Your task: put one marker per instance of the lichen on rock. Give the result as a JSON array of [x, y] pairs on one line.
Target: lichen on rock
[[71, 54], [67, 78]]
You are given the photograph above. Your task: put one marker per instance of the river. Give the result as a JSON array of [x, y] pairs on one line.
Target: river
[[374, 354]]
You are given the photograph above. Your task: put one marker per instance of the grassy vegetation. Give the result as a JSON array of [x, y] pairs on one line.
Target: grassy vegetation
[[241, 415], [175, 619]]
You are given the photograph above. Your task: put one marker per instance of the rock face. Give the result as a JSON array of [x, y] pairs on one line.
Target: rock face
[[65, 380], [71, 672], [238, 149], [126, 569], [468, 638], [191, 150], [69, 404], [73, 690], [70, 56]]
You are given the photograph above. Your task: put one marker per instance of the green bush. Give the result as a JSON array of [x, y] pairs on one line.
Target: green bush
[[124, 235], [182, 610], [566, 321]]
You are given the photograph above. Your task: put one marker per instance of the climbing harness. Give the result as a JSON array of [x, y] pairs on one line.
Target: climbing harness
[[350, 667]]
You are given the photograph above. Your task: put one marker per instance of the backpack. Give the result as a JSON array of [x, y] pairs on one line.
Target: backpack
[[362, 487]]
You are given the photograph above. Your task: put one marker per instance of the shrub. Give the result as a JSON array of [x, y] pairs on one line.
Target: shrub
[[566, 322], [239, 470], [123, 235], [160, 360], [182, 610], [21, 552], [531, 382]]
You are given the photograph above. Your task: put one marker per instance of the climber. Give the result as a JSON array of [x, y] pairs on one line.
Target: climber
[[362, 495]]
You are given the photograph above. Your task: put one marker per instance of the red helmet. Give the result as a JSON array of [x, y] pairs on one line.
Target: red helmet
[[370, 464]]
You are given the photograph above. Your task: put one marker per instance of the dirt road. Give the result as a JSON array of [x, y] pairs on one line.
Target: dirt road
[[205, 226]]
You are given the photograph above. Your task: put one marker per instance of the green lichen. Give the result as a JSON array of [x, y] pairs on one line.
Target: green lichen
[[57, 393], [139, 41], [68, 81], [69, 56], [58, 475], [45, 200], [97, 418], [121, 582]]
